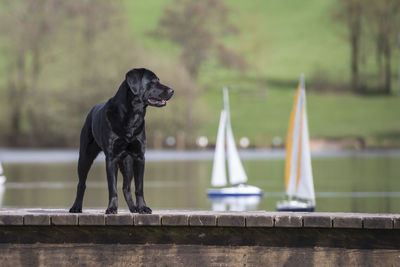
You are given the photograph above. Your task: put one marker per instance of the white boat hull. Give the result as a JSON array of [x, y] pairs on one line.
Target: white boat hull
[[235, 191], [294, 205], [236, 203]]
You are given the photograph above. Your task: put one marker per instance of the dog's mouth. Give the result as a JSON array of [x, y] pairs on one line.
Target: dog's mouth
[[157, 102]]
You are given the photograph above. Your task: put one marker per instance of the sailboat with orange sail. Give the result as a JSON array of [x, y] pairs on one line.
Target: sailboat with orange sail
[[298, 171]]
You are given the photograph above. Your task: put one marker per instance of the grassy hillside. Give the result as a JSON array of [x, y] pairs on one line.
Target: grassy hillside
[[280, 40]]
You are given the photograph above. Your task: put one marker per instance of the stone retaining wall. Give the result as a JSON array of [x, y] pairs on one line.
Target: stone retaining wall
[[198, 238]]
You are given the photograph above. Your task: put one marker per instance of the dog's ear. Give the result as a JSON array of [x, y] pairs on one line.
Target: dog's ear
[[134, 79]]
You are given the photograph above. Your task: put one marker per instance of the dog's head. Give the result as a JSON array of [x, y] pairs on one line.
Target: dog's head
[[145, 85]]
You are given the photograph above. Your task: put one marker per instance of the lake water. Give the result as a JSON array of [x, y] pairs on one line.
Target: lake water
[[344, 182]]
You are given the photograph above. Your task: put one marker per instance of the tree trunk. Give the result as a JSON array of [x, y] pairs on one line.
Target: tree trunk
[[379, 62], [15, 126], [354, 13], [17, 94], [15, 114], [355, 83], [190, 104], [398, 43], [388, 68]]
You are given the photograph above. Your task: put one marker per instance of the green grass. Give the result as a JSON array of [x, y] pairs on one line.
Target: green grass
[[280, 40], [143, 18], [285, 38]]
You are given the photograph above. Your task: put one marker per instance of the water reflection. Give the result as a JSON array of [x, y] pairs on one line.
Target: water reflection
[[235, 203]]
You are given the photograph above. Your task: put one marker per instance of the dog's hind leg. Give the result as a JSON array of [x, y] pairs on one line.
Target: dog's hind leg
[[126, 168], [88, 151]]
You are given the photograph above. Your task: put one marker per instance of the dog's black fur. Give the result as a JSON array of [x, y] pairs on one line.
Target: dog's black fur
[[117, 128]]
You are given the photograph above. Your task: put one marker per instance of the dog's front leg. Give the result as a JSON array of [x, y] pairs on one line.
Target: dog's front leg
[[138, 167], [112, 170], [126, 168]]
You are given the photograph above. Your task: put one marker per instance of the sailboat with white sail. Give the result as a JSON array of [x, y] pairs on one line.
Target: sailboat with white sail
[[298, 171], [237, 175]]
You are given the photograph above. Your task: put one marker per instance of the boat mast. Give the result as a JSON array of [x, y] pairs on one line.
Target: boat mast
[[218, 177]]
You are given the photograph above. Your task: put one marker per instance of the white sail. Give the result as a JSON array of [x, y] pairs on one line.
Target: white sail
[[299, 179], [218, 177], [305, 189], [237, 175]]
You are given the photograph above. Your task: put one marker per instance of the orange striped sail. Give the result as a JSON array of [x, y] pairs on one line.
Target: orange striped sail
[[289, 138], [298, 171]]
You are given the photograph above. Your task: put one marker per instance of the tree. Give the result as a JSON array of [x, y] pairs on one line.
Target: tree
[[52, 50], [351, 12], [381, 20], [197, 28], [384, 19], [29, 28]]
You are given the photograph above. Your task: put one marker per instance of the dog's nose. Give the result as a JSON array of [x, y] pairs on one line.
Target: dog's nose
[[170, 91]]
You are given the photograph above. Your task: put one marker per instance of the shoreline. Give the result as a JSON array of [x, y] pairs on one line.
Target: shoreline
[[12, 155]]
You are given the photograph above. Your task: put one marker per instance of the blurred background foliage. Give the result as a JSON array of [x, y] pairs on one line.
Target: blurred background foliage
[[59, 58]]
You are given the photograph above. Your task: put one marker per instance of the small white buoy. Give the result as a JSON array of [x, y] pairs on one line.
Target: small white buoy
[[202, 141], [170, 141], [276, 141], [244, 142]]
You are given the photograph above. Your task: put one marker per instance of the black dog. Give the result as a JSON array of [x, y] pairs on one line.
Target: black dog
[[117, 128]]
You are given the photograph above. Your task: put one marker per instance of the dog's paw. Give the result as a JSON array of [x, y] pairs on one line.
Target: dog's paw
[[111, 211], [134, 210], [144, 210], [75, 210]]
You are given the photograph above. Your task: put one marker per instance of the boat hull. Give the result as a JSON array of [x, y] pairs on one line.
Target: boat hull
[[235, 203], [296, 209], [294, 205], [235, 191]]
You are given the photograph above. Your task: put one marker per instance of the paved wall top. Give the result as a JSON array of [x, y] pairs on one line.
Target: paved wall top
[[198, 218]]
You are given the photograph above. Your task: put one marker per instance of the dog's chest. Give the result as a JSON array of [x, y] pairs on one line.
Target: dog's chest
[[134, 123], [134, 148]]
